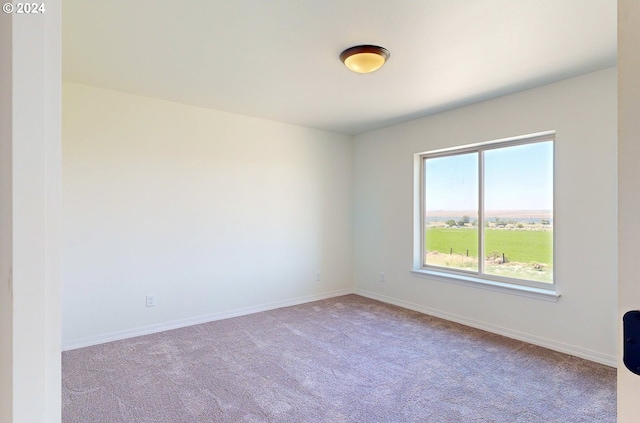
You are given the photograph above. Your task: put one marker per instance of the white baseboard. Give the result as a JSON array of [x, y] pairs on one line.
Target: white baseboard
[[161, 327], [605, 359]]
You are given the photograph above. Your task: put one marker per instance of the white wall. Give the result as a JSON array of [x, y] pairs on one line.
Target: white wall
[[212, 212], [6, 253], [629, 197], [30, 82], [583, 112]]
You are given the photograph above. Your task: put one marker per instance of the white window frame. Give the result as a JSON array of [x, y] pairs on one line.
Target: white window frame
[[534, 289]]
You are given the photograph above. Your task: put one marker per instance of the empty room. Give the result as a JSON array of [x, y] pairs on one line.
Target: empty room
[[354, 211]]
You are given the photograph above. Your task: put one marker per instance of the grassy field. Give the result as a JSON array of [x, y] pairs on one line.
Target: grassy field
[[518, 246]]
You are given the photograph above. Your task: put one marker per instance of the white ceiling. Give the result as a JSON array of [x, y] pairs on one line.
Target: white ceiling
[[278, 59]]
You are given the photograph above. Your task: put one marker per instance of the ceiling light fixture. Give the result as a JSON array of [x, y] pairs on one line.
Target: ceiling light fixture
[[364, 59]]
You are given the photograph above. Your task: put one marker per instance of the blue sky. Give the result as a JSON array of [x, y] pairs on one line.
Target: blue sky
[[516, 178]]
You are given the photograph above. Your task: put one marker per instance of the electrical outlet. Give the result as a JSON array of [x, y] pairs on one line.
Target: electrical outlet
[[151, 300], [318, 276], [382, 277]]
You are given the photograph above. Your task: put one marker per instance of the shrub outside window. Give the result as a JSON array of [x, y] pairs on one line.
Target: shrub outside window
[[487, 210]]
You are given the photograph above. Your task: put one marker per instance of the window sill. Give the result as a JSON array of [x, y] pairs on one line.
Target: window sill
[[523, 291]]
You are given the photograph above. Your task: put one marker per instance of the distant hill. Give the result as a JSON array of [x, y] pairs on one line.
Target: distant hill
[[503, 214]]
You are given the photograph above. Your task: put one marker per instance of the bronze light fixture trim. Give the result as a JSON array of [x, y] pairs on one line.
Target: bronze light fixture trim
[[365, 58]]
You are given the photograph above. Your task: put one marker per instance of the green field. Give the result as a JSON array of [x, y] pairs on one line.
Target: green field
[[518, 246]]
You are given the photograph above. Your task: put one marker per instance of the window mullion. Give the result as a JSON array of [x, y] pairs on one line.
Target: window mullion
[[423, 208], [481, 212]]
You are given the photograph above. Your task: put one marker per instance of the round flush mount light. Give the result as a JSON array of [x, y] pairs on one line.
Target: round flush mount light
[[364, 59]]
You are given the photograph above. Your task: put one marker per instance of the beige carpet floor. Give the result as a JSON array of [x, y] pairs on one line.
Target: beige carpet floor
[[345, 359]]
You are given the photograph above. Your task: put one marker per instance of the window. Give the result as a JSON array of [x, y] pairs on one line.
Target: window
[[486, 211]]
